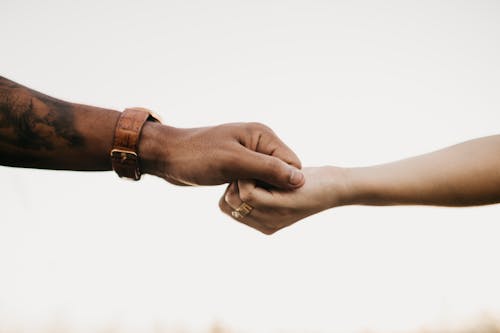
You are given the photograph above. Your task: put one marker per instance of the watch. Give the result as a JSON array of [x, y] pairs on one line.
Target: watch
[[124, 157]]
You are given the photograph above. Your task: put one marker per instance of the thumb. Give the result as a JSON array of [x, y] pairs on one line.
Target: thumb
[[269, 169]]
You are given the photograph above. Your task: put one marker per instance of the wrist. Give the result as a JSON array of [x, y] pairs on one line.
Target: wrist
[[363, 186], [154, 148], [342, 186]]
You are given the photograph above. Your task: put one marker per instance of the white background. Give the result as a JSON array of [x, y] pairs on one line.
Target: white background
[[347, 83]]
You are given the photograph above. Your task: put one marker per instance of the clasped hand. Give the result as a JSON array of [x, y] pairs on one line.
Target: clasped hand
[[262, 171], [273, 209], [267, 189]]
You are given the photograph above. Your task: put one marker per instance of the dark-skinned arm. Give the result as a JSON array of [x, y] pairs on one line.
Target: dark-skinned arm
[[39, 131]]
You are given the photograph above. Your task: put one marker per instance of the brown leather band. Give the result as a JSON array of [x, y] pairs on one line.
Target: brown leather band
[[124, 157]]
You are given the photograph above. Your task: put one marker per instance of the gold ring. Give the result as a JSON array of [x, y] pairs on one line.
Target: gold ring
[[243, 210]]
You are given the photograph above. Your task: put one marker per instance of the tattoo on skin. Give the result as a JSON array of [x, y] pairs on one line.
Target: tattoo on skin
[[31, 120]]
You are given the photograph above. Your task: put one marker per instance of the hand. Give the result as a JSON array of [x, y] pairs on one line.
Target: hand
[[219, 154], [325, 187]]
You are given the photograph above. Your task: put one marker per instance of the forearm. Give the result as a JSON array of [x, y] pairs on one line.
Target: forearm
[[39, 131], [462, 175]]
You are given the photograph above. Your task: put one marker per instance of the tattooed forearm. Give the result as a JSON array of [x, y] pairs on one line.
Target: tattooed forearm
[[31, 120], [39, 131]]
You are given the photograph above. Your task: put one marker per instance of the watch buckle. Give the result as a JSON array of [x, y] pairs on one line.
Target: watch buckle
[[126, 157]]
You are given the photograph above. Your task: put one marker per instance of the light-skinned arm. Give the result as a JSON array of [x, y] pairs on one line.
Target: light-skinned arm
[[466, 174]]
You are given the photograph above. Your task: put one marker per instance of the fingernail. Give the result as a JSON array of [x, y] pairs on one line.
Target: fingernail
[[296, 177]]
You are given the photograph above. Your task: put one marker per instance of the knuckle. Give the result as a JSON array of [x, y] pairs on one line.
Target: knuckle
[[247, 196], [256, 126]]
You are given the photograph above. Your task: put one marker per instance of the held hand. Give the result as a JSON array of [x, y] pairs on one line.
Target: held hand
[[276, 209], [219, 154]]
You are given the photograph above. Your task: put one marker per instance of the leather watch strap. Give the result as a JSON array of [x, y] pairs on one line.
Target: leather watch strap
[[124, 156]]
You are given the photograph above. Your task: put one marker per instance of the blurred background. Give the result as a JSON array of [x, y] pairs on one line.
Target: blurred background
[[347, 83]]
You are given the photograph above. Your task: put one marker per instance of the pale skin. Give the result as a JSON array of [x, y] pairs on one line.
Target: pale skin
[[466, 174], [40, 131]]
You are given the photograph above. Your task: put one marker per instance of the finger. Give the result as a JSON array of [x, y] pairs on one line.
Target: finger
[[270, 144], [232, 196], [269, 169], [248, 220], [222, 200], [256, 196]]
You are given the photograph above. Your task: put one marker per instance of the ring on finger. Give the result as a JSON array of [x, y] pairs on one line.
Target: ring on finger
[[243, 210]]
